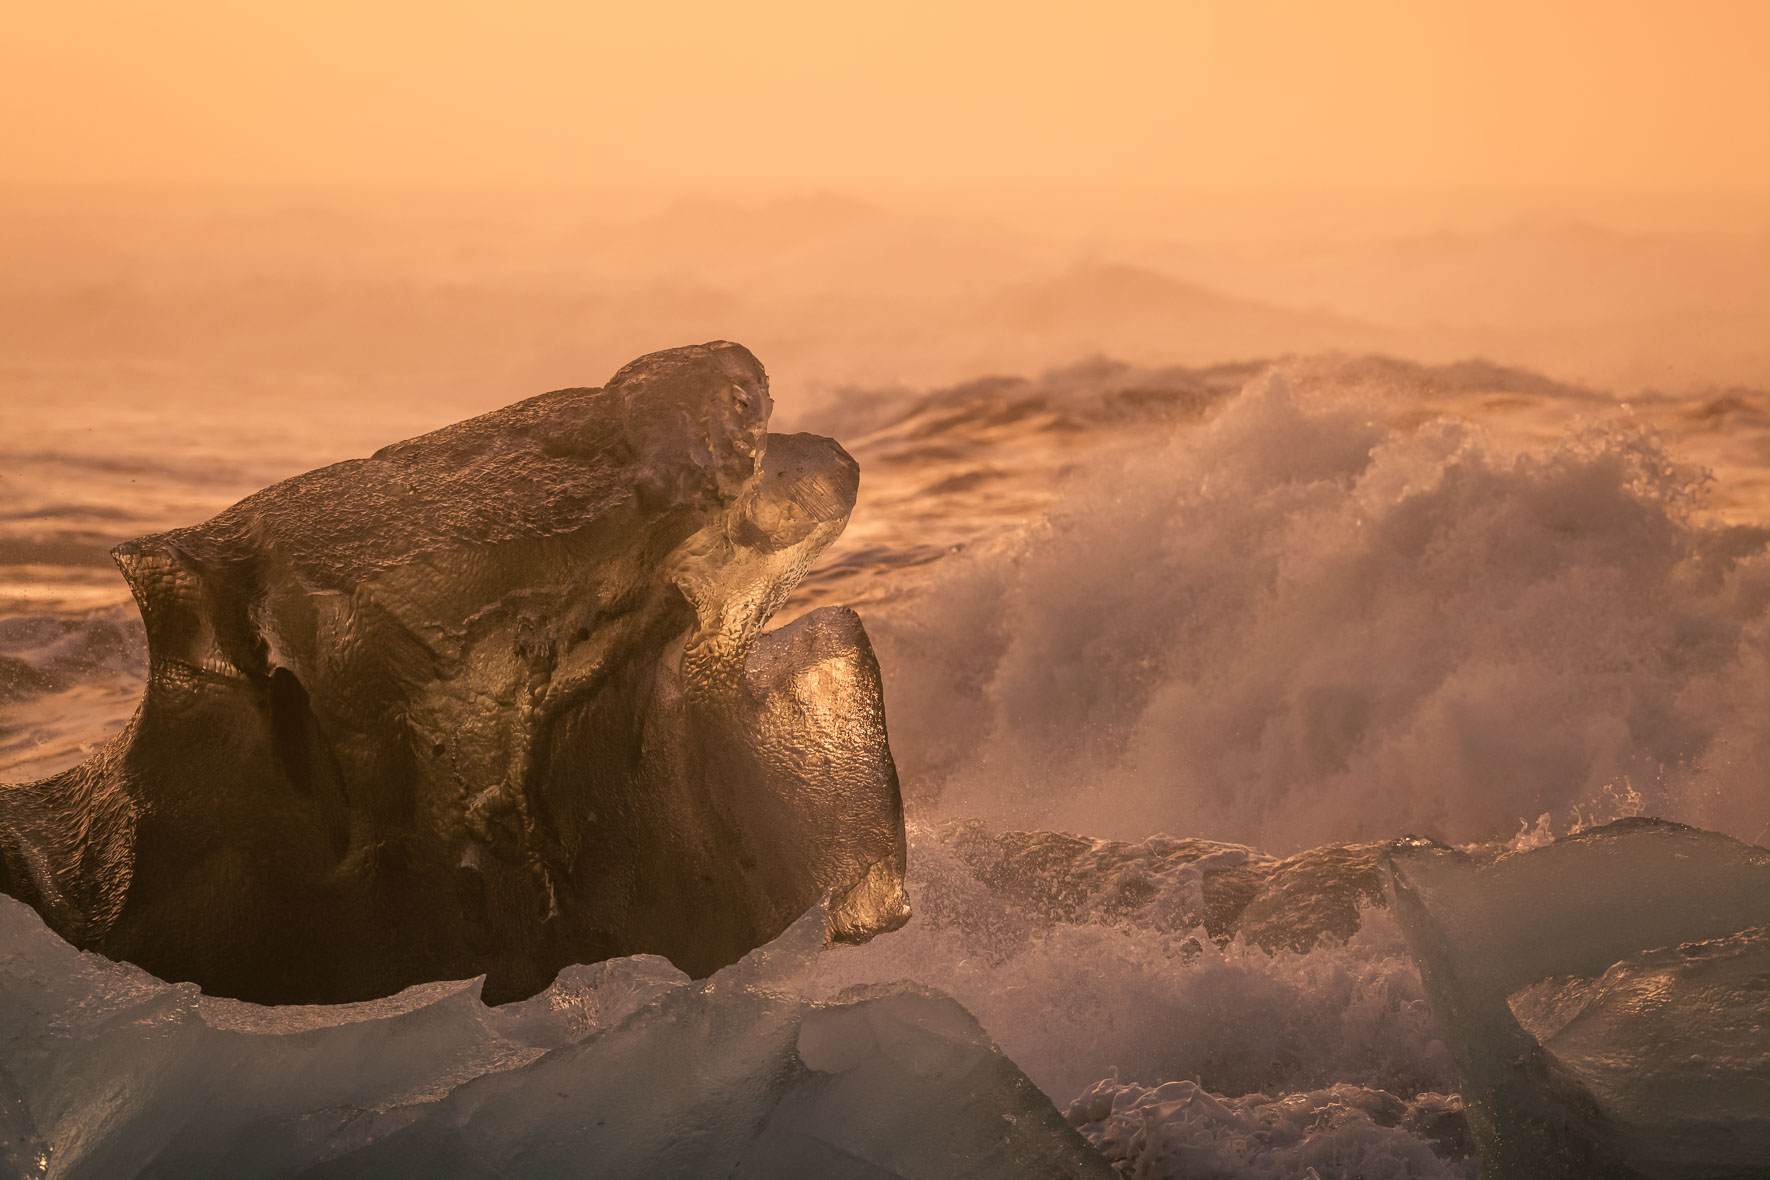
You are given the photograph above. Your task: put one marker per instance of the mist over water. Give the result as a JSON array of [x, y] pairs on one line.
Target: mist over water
[[1297, 622]]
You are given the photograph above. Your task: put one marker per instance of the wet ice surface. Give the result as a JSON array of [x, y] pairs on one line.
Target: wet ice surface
[[491, 701], [1124, 980], [1673, 1044], [1606, 998], [625, 1068]]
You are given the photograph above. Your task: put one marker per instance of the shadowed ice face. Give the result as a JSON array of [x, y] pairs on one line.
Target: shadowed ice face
[[493, 700]]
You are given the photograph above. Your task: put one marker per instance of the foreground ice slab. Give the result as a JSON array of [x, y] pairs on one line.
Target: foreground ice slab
[[492, 701], [622, 1069], [1606, 998]]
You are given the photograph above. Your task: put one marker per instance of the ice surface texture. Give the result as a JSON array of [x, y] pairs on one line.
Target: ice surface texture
[[622, 1069], [1606, 998], [494, 700]]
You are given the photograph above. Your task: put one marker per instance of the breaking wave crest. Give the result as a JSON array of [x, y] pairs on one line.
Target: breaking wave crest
[[1297, 622]]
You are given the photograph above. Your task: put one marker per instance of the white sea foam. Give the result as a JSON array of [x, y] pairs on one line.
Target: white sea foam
[[1071, 1002], [1145, 1004], [1179, 1130], [1299, 623]]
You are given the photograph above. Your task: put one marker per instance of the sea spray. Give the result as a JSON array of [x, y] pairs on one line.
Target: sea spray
[[1298, 622]]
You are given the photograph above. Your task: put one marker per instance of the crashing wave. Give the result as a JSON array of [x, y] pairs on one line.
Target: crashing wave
[[1302, 620]]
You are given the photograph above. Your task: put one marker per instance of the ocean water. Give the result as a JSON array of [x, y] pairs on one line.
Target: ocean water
[[1344, 600], [1271, 604]]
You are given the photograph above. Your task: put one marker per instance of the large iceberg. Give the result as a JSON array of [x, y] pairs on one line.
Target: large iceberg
[[492, 701], [1606, 998], [623, 1068]]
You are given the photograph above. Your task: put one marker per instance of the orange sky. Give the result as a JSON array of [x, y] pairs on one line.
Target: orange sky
[[908, 94]]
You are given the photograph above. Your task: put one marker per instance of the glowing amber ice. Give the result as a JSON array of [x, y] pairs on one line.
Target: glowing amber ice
[[494, 700]]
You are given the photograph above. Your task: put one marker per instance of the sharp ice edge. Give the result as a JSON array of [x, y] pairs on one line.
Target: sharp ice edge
[[1606, 998], [623, 1068], [432, 1082]]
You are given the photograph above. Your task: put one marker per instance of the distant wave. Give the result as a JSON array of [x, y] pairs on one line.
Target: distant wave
[[54, 652]]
